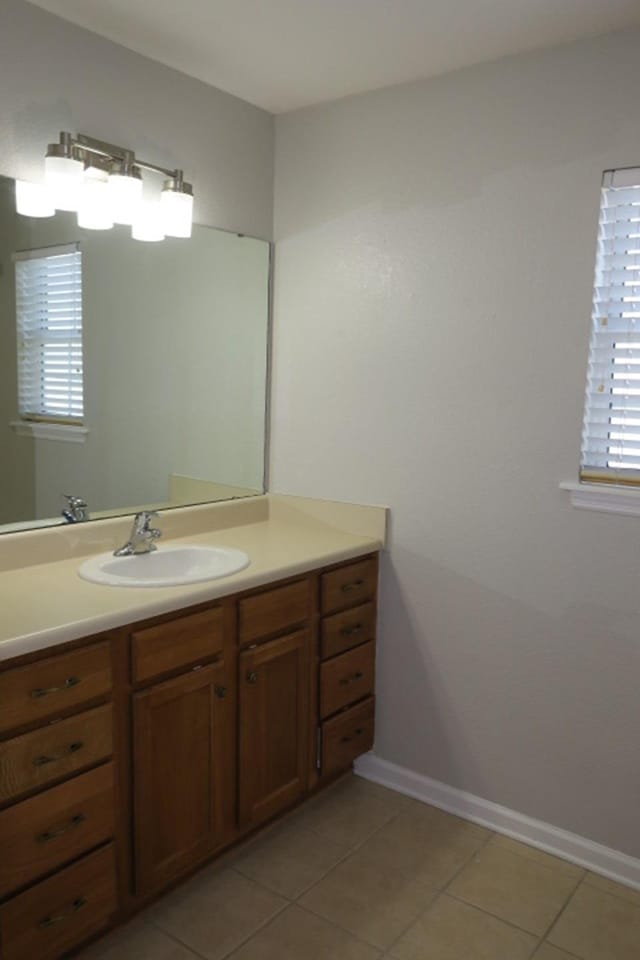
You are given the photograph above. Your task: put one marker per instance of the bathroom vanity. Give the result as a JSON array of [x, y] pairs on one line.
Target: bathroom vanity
[[133, 755]]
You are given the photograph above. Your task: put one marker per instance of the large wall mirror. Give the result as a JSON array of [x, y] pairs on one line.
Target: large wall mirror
[[170, 367]]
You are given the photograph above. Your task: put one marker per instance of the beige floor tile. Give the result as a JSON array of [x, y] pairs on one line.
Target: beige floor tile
[[288, 859], [371, 789], [546, 952], [597, 926], [349, 811], [215, 911], [136, 941], [615, 889], [513, 888], [425, 844], [374, 904], [299, 935], [451, 930], [538, 856]]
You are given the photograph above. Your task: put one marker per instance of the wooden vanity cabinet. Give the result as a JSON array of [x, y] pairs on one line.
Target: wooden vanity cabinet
[[130, 759], [179, 774], [59, 882], [273, 727], [184, 717]]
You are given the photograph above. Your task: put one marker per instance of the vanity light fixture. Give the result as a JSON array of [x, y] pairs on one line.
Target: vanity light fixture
[[33, 199], [102, 183]]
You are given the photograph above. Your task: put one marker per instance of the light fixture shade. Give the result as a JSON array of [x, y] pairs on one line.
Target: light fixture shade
[[125, 189], [176, 204], [33, 199], [94, 209], [147, 225], [63, 177]]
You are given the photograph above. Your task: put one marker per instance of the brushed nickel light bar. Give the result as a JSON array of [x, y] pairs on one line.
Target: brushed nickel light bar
[[102, 183]]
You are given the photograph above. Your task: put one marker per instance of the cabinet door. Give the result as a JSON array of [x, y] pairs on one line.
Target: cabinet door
[[274, 718], [180, 774]]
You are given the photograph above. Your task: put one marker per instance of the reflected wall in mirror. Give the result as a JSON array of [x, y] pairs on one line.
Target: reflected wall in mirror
[[174, 358]]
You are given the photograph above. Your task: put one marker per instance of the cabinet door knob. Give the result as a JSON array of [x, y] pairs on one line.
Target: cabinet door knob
[[354, 585], [77, 904], [252, 677], [46, 691], [358, 675], [221, 692], [72, 748], [54, 834], [355, 734]]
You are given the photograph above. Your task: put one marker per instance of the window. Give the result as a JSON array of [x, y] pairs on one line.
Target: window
[[49, 334], [611, 431]]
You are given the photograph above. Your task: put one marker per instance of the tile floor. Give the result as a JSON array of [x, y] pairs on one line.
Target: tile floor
[[361, 873]]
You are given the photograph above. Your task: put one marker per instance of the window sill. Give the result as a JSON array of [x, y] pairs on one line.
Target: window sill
[[67, 432], [604, 498]]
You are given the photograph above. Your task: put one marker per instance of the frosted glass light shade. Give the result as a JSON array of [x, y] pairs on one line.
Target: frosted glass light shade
[[63, 177], [177, 213], [33, 199], [147, 225], [94, 209], [125, 197]]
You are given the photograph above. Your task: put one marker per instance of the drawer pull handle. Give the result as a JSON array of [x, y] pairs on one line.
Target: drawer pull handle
[[45, 691], [252, 677], [348, 587], [349, 631], [75, 906], [54, 834], [221, 692], [72, 748], [358, 675], [357, 733]]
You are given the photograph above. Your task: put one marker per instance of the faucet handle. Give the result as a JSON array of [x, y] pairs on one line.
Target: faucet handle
[[74, 501], [142, 523]]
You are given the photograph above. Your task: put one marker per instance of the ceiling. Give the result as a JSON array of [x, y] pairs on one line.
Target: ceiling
[[285, 54]]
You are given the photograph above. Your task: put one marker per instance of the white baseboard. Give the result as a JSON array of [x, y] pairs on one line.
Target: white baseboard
[[569, 846]]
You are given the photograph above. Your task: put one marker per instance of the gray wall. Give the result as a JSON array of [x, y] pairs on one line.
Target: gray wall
[[435, 252], [55, 76]]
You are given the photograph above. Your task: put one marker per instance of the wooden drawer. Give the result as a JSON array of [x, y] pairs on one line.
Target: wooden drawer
[[54, 752], [55, 827], [59, 913], [346, 736], [348, 585], [177, 643], [274, 610], [347, 629], [29, 694], [347, 678]]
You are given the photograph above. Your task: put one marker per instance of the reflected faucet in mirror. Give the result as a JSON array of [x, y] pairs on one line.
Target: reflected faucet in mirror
[[141, 537], [76, 509]]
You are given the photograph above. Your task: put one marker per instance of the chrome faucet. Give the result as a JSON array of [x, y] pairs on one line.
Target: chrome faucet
[[75, 510], [141, 537]]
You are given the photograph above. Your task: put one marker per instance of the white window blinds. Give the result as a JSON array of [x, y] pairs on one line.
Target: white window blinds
[[49, 333], [611, 432]]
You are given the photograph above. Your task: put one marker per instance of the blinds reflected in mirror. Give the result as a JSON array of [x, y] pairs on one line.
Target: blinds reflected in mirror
[[49, 333], [611, 430]]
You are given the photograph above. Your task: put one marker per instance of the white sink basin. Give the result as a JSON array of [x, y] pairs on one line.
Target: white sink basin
[[165, 567]]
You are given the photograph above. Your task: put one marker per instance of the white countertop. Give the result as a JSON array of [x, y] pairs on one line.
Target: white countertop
[[44, 604]]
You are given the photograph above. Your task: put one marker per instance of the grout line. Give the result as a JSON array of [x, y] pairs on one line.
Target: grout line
[[338, 926], [468, 861], [610, 893], [563, 908], [241, 943], [174, 939]]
